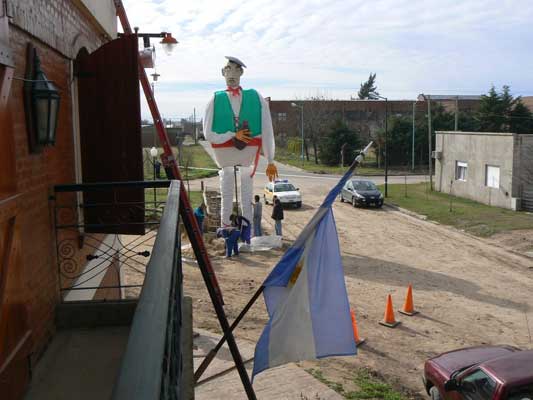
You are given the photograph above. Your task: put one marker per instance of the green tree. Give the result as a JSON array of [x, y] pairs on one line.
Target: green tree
[[400, 135], [491, 113], [501, 112], [336, 137], [520, 118], [368, 90]]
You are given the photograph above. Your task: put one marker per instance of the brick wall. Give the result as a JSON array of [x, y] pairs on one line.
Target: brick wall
[[58, 30], [60, 24]]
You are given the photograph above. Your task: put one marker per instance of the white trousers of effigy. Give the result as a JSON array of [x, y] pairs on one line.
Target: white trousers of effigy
[[227, 192]]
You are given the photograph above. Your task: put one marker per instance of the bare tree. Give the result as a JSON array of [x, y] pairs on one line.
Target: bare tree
[[318, 117]]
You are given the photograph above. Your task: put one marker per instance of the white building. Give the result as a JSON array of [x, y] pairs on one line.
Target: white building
[[491, 168]]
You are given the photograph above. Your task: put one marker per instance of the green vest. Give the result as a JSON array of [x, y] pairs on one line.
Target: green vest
[[224, 120]]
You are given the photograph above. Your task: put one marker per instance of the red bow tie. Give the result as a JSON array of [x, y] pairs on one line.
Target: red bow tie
[[234, 91]]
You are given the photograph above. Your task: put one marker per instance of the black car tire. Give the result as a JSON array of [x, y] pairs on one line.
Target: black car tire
[[379, 205], [299, 204], [434, 393], [354, 202], [341, 199], [265, 199]]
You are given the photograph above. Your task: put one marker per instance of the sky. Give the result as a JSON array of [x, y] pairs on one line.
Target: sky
[[295, 49]]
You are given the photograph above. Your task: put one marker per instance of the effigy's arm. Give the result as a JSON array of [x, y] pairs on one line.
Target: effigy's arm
[[267, 132], [267, 135]]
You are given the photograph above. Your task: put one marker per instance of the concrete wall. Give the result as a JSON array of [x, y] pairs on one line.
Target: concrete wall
[[523, 165], [104, 13], [478, 149], [524, 157]]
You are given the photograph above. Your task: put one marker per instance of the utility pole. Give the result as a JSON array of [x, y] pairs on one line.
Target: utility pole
[[194, 126], [413, 139], [428, 99], [456, 113], [386, 152]]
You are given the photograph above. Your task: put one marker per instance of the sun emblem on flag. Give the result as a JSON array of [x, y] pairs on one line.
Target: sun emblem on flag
[[295, 273]]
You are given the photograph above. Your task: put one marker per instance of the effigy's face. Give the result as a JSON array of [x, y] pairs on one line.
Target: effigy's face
[[232, 73]]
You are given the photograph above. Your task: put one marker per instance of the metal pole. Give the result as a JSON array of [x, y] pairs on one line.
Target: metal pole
[[428, 98], [456, 113], [302, 134], [155, 131], [155, 190], [236, 192], [413, 139], [386, 147], [194, 126]]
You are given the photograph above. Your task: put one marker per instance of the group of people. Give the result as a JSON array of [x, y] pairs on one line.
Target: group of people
[[277, 216], [240, 227]]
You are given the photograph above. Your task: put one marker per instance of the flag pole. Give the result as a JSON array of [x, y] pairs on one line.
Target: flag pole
[[213, 352]]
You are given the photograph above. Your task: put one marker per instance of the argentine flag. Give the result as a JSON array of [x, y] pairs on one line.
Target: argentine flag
[[306, 297]]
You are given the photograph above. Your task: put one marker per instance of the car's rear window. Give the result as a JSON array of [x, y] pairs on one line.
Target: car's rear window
[[477, 386]]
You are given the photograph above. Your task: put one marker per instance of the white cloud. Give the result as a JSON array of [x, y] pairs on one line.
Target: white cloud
[[296, 48]]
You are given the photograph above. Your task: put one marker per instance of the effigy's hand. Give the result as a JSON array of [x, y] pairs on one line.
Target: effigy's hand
[[243, 135], [271, 172]]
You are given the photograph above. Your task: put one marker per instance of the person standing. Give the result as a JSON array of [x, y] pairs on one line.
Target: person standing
[[157, 167], [277, 216], [199, 214], [258, 212]]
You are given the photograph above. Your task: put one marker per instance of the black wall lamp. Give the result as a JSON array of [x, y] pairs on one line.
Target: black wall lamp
[[41, 102]]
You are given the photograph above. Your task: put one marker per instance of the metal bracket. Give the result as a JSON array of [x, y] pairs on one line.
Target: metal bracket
[[5, 10], [6, 56]]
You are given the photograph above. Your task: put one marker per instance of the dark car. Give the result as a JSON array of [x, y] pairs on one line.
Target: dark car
[[361, 193], [480, 373]]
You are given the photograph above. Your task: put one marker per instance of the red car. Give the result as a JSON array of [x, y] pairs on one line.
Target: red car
[[480, 373]]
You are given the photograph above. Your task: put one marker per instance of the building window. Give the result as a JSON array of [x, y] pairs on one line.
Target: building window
[[460, 170], [492, 176], [282, 116]]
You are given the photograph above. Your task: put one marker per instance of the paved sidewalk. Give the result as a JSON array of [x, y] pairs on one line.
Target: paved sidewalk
[[282, 383]]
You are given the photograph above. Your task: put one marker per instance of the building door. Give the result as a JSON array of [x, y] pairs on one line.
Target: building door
[[110, 134], [15, 336]]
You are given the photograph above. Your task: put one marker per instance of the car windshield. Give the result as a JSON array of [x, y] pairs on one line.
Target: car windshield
[[364, 185], [284, 187]]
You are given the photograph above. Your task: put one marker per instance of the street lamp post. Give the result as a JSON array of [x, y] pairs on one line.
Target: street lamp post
[[154, 153], [386, 143], [155, 77], [413, 139], [301, 107]]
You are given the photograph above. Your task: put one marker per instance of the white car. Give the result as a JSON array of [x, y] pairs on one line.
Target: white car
[[284, 191]]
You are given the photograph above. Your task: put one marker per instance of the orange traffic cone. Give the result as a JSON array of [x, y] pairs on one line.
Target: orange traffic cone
[[358, 340], [388, 319], [408, 307]]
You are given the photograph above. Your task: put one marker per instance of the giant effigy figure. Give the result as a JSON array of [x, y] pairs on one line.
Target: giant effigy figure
[[237, 124]]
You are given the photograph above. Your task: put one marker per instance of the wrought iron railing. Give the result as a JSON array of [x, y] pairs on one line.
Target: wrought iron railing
[[152, 364], [104, 237]]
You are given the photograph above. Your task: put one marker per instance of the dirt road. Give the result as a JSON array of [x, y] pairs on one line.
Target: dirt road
[[469, 291]]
